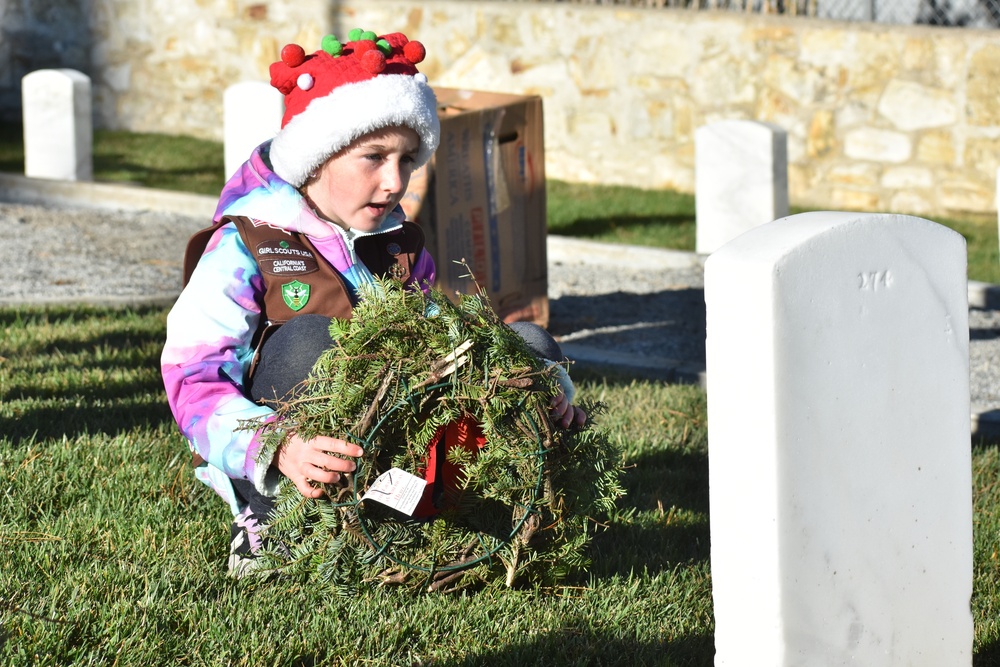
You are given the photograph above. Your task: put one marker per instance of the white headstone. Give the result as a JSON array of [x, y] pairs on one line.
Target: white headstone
[[58, 130], [741, 179], [251, 115], [839, 443]]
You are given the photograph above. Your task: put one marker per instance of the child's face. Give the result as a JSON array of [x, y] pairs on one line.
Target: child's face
[[360, 185]]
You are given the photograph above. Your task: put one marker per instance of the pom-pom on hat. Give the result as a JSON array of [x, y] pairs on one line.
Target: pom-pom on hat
[[344, 91]]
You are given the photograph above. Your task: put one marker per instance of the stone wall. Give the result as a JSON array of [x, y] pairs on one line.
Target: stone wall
[[39, 34], [887, 118]]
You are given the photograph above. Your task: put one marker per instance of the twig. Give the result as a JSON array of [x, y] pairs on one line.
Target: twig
[[18, 610], [442, 579], [445, 366], [366, 421]]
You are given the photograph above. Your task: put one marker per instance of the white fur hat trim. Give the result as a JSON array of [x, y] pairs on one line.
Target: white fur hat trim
[[352, 110]]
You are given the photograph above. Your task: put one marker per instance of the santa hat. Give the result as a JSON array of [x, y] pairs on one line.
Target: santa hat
[[344, 91]]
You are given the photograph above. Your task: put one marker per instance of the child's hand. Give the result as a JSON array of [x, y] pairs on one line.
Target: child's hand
[[565, 413], [303, 461]]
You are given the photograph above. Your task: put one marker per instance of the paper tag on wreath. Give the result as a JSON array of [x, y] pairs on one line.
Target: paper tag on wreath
[[397, 489]]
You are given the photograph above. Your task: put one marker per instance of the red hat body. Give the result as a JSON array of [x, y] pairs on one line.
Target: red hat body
[[344, 91]]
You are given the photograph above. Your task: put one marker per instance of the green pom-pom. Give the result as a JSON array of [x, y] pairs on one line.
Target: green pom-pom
[[369, 36], [332, 45], [385, 47], [354, 35]]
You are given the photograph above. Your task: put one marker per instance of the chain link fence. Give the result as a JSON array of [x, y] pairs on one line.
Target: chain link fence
[[956, 13]]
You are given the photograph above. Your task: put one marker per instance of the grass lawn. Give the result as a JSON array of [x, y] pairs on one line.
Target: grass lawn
[[113, 553], [150, 160]]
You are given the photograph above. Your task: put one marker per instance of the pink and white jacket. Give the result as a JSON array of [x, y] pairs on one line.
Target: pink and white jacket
[[209, 329]]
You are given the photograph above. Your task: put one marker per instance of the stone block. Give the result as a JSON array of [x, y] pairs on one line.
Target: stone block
[[801, 84], [58, 129], [852, 115], [825, 45], [907, 201], [820, 139], [936, 147], [839, 458], [966, 195], [880, 63], [251, 114], [854, 199], [856, 174], [723, 78], [591, 126], [910, 106], [982, 154], [876, 145], [981, 87], [907, 177], [741, 179], [918, 53], [950, 62]]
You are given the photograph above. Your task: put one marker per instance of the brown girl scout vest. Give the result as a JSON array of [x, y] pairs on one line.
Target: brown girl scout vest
[[297, 280]]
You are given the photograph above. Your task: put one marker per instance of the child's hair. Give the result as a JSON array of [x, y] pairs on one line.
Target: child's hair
[[344, 91]]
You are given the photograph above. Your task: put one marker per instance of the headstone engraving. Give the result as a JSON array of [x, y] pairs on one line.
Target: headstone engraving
[[251, 115], [839, 443], [58, 130], [741, 179]]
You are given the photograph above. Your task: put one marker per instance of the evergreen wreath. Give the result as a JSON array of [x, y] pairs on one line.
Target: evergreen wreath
[[521, 508]]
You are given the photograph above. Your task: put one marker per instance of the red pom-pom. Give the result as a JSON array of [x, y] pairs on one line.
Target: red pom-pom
[[373, 60], [293, 55], [363, 46], [414, 52]]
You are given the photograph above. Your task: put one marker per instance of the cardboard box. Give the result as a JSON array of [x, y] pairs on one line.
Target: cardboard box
[[482, 200]]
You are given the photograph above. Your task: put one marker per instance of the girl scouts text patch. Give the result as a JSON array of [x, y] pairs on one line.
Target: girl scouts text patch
[[285, 258]]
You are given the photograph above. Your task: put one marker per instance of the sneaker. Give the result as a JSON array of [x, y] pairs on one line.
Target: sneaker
[[245, 543]]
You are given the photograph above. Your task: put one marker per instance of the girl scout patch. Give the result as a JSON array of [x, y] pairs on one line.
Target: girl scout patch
[[285, 258], [295, 294]]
